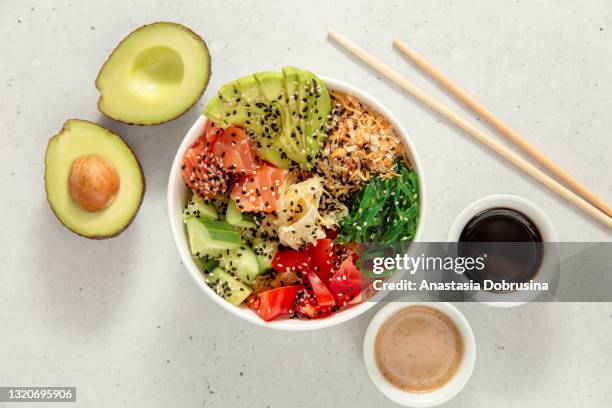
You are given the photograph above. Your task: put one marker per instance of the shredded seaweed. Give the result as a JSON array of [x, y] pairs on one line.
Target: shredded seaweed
[[384, 210]]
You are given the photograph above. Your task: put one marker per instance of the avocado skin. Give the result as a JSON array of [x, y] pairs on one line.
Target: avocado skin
[[182, 27], [142, 193]]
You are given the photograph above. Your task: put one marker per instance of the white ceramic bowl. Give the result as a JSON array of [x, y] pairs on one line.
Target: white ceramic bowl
[[422, 399], [177, 193], [547, 231]]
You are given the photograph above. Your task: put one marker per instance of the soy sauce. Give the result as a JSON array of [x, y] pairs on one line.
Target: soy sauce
[[511, 241]]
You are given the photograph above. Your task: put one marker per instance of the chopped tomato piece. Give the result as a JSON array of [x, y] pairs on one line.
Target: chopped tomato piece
[[259, 191], [307, 307], [356, 300], [235, 150], [273, 303], [354, 249], [320, 291], [321, 257], [290, 259], [331, 233], [347, 281]]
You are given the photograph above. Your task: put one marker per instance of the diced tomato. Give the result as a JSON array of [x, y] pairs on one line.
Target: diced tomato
[[354, 249], [306, 306], [273, 303], [313, 311], [320, 291], [290, 259], [347, 281], [260, 191], [321, 257], [331, 233], [235, 150], [201, 171], [356, 300]]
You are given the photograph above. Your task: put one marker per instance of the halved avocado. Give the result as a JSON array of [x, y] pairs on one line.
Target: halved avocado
[[154, 75], [94, 181]]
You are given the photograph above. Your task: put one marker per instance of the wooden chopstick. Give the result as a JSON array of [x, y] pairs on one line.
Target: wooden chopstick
[[469, 128], [503, 128]]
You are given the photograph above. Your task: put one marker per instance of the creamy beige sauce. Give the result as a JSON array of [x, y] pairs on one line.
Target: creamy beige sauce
[[418, 349]]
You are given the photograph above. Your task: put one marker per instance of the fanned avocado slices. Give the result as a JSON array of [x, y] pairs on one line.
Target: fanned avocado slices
[[154, 75], [286, 112], [94, 181]]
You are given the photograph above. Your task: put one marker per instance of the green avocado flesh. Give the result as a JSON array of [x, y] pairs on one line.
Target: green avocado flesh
[[81, 138], [286, 112], [154, 75]]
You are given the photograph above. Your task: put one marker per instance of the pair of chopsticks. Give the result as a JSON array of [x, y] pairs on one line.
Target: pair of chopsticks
[[595, 207]]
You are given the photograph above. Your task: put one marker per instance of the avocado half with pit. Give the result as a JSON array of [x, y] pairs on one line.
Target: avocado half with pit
[[154, 75], [94, 181]]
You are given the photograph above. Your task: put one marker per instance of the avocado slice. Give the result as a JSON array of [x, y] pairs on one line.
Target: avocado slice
[[294, 134], [154, 75], [310, 107], [285, 112], [270, 85], [316, 100], [93, 180]]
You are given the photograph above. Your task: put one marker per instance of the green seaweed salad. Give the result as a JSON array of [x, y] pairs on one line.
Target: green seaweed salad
[[386, 210]]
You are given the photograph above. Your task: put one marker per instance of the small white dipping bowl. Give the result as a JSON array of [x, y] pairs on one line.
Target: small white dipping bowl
[[421, 399], [177, 194], [544, 225]]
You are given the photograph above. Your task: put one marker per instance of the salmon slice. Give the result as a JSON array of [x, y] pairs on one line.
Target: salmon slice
[[200, 169], [236, 151], [260, 191]]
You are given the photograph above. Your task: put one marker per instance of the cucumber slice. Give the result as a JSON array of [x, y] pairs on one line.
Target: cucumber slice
[[235, 217], [208, 264], [227, 286], [264, 250], [196, 207], [242, 263], [248, 235], [220, 204], [211, 237]]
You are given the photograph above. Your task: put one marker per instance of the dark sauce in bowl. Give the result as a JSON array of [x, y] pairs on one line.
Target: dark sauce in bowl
[[511, 241]]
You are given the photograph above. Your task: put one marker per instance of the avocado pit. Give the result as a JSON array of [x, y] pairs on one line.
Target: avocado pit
[[93, 183]]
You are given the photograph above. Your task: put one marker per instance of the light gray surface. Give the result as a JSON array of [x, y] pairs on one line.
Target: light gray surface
[[122, 320]]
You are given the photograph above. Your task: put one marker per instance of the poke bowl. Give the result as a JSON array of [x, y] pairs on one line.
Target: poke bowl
[[237, 302]]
